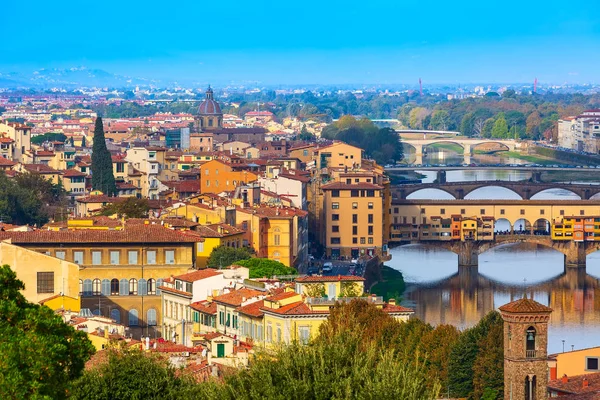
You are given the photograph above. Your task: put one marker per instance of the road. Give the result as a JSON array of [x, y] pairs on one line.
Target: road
[[339, 268], [484, 167]]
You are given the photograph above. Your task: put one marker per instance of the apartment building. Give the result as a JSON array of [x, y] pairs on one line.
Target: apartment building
[[146, 161], [217, 176], [20, 135], [581, 133]]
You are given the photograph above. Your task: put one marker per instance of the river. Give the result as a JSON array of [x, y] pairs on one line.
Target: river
[[440, 293]]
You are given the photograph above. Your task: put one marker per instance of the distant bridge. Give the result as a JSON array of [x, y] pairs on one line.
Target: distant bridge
[[524, 189], [468, 145]]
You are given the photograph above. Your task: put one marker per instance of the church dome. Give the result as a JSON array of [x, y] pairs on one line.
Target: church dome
[[209, 106]]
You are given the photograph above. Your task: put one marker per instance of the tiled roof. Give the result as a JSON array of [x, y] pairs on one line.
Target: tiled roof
[[393, 308], [70, 173], [252, 309], [297, 308], [281, 296], [236, 297], [346, 186], [574, 384], [174, 291], [198, 275], [213, 230], [131, 234], [189, 186], [525, 306], [335, 278], [100, 199], [40, 169], [274, 211], [4, 162], [205, 307]]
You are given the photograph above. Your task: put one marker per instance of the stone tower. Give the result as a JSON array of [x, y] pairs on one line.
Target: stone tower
[[525, 349]]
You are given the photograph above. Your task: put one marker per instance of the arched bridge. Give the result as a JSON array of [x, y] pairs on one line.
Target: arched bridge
[[523, 188], [468, 145]]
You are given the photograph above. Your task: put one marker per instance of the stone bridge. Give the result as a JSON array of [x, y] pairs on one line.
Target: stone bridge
[[468, 251], [524, 189], [468, 145]]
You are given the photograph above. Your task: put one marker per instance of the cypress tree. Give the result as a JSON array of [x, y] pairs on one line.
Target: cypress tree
[[102, 169]]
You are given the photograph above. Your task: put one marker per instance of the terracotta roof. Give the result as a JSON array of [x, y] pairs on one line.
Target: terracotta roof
[[281, 296], [335, 278], [175, 291], [198, 275], [525, 306], [574, 384], [393, 308], [4, 162], [205, 307], [40, 169], [189, 186], [297, 177], [131, 234], [252, 309], [100, 199], [70, 173], [236, 297], [297, 308], [213, 230], [274, 211], [346, 186]]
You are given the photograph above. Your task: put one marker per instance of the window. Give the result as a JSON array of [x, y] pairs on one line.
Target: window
[[370, 240], [115, 257], [354, 206], [170, 257], [335, 228], [501, 212], [45, 282], [114, 287], [96, 257], [462, 210], [591, 363], [60, 254], [304, 334], [105, 287], [355, 230], [423, 211], [395, 210], [116, 315], [279, 334], [133, 286], [123, 287], [370, 206], [362, 240], [355, 218], [335, 217], [581, 212], [482, 211], [370, 230], [354, 240], [277, 240], [269, 333], [159, 283], [87, 287], [370, 193], [132, 257], [151, 257], [562, 212], [442, 211], [370, 218], [142, 287], [133, 317], [335, 193], [151, 286], [335, 240], [354, 193], [522, 212], [96, 287], [335, 206]]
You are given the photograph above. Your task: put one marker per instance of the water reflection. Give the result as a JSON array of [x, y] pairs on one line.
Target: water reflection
[[441, 293]]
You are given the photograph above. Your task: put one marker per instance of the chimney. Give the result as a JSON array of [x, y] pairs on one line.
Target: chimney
[[392, 302], [585, 383], [565, 379]]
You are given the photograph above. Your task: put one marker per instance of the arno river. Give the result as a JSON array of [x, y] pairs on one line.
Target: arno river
[[441, 293]]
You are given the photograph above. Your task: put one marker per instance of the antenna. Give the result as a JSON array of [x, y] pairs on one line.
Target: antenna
[[535, 86], [420, 87]]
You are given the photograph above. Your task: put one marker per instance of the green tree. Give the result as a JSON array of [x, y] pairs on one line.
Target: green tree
[[417, 116], [500, 128], [306, 135], [41, 355], [21, 205], [440, 119], [350, 289], [48, 137], [488, 368], [130, 208], [315, 290], [263, 267], [103, 178], [83, 144], [224, 256]]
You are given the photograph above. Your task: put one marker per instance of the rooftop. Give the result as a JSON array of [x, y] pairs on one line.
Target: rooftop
[[525, 306], [198, 275]]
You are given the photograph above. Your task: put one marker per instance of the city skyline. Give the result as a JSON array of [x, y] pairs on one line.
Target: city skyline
[[312, 43]]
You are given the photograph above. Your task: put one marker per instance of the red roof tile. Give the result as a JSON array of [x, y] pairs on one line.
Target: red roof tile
[[297, 308], [252, 309], [525, 306], [198, 275], [236, 297], [205, 307]]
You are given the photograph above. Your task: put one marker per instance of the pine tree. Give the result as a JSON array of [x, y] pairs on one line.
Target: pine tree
[[102, 169]]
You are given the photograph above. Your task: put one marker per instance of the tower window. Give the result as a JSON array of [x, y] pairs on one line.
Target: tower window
[[530, 342]]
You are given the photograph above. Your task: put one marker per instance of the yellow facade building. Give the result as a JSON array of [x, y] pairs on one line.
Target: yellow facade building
[[217, 176]]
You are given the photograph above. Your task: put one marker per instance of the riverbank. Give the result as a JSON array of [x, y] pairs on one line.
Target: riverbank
[[391, 284]]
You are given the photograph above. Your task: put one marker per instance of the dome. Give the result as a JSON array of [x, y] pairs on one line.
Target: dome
[[209, 106]]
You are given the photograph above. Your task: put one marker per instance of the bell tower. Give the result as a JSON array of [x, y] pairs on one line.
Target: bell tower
[[525, 349]]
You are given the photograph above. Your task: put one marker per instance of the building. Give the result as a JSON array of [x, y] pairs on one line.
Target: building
[[20, 135], [581, 133], [209, 113], [291, 185], [580, 387], [574, 363], [227, 305], [146, 161], [216, 235], [332, 287], [217, 176], [525, 349]]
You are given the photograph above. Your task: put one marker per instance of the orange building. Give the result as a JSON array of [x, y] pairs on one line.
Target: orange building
[[217, 176]]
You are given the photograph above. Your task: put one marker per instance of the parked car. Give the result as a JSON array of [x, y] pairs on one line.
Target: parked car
[[327, 267]]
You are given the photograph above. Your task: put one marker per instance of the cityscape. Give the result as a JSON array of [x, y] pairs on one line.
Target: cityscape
[[337, 208]]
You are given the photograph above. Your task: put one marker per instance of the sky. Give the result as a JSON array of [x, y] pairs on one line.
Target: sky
[[310, 41]]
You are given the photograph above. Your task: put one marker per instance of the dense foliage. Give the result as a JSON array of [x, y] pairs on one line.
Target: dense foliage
[[263, 267], [224, 256], [383, 145], [48, 137], [40, 354], [29, 199], [130, 208], [103, 178]]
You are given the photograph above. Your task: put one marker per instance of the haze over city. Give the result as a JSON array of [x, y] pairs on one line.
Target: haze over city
[[309, 42]]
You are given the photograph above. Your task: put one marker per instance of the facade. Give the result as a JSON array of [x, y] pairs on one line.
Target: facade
[[574, 363], [209, 116], [580, 133], [216, 235], [202, 142], [525, 349], [146, 161], [20, 135], [290, 185], [217, 176]]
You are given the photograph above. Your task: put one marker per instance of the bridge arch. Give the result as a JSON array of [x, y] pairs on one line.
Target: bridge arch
[[522, 226], [432, 142], [502, 225], [504, 145], [469, 195], [539, 194], [541, 227], [447, 195]]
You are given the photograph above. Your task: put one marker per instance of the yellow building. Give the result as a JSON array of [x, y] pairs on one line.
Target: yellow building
[[44, 276], [120, 269], [573, 363], [217, 176], [338, 154], [62, 302], [331, 286], [216, 235]]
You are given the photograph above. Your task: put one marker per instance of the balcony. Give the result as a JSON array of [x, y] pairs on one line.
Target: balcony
[[530, 353]]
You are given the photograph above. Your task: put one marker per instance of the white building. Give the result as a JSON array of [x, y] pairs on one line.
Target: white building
[[581, 133], [288, 184]]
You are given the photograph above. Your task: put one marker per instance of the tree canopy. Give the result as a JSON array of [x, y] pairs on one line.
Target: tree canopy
[[41, 355], [48, 137], [103, 178], [131, 208], [224, 256], [263, 267]]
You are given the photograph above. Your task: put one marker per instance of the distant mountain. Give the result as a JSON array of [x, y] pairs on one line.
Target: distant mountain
[[70, 78]]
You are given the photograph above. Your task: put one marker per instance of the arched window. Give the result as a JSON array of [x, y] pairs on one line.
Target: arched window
[[81, 287], [530, 389], [87, 287], [133, 286], [158, 284], [142, 287], [151, 286], [133, 317], [123, 287], [530, 342], [114, 287], [96, 287], [116, 315], [105, 287], [151, 318]]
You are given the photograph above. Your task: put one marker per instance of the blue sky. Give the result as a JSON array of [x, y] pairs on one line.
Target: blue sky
[[309, 41]]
